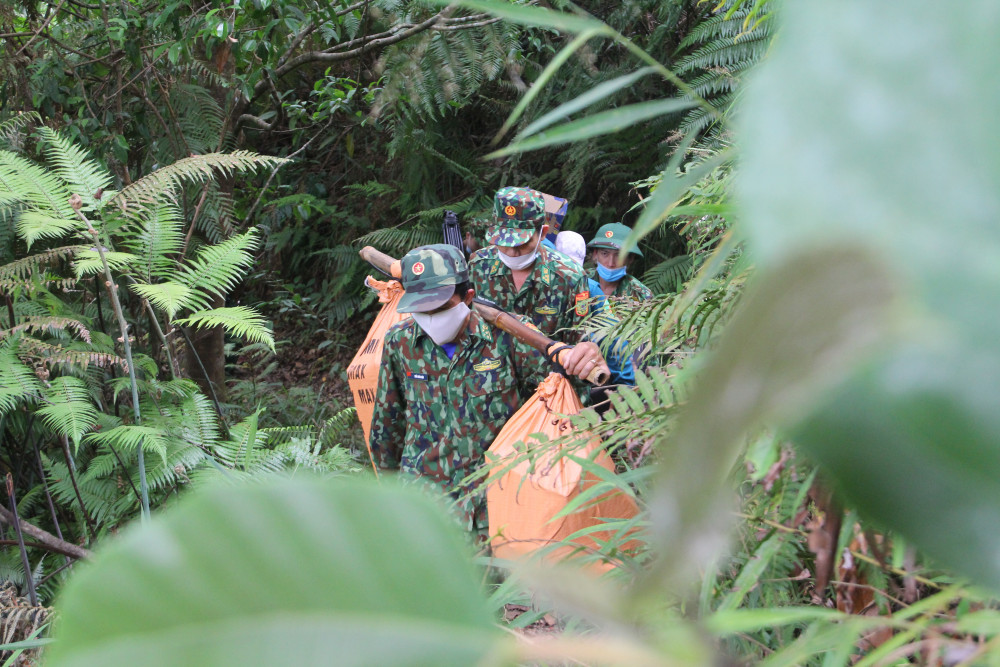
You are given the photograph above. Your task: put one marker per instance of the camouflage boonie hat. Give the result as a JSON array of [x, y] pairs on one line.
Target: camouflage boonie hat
[[517, 214], [430, 274], [612, 235]]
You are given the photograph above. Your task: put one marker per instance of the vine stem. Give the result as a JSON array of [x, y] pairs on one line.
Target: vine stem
[[77, 204], [28, 580]]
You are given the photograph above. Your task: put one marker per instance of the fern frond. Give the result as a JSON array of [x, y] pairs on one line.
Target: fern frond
[[12, 128], [217, 268], [69, 410], [159, 238], [170, 297], [49, 324], [33, 226], [18, 383], [129, 437], [53, 355], [172, 469], [217, 215], [83, 175], [200, 426], [39, 189], [669, 275], [88, 261], [239, 321], [153, 187], [399, 240], [21, 270], [199, 116]]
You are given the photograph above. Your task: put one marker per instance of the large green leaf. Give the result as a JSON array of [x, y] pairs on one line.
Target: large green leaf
[[877, 126], [782, 351], [291, 572], [598, 124], [541, 17]]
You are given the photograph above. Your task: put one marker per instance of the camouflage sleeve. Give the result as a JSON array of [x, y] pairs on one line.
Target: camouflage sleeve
[[530, 366], [388, 418]]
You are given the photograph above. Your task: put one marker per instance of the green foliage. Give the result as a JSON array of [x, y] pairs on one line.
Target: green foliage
[[818, 350], [725, 47], [325, 575], [918, 409]]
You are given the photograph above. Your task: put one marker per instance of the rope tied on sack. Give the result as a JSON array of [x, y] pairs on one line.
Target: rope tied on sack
[[387, 289]]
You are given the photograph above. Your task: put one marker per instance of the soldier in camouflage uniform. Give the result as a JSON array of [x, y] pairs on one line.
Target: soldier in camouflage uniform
[[611, 274], [521, 275], [449, 381]]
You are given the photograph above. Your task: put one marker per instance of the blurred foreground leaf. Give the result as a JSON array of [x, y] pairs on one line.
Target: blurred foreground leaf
[[287, 573], [802, 326], [877, 126]]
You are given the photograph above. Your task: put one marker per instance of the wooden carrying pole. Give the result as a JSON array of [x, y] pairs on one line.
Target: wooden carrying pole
[[498, 318], [381, 261]]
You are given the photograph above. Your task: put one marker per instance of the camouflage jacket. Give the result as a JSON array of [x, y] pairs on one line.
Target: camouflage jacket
[[435, 417], [554, 296], [629, 287]]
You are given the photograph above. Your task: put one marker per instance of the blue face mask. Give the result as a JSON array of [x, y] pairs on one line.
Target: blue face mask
[[610, 275]]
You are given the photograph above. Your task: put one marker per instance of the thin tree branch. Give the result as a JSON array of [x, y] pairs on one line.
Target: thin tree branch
[[48, 539], [260, 193], [28, 579], [255, 121], [348, 10], [45, 487], [76, 487], [45, 24], [296, 42], [39, 545], [321, 56]]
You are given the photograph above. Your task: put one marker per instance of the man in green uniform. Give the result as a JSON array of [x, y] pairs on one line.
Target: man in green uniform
[[612, 273], [521, 275], [449, 381]]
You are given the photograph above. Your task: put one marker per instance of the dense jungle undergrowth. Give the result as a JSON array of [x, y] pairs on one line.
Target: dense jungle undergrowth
[[812, 437]]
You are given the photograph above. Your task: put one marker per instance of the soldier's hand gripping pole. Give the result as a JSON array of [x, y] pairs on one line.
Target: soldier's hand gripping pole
[[598, 375]]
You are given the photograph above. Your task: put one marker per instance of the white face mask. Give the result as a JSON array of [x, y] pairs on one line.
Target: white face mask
[[443, 327], [523, 261]]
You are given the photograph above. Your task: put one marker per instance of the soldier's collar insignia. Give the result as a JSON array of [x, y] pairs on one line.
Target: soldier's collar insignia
[[546, 276], [487, 365], [484, 330]]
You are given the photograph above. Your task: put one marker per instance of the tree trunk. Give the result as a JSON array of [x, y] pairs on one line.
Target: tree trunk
[[206, 362]]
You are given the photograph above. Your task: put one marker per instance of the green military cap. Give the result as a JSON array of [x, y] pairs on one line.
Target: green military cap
[[517, 214], [430, 274], [612, 235]]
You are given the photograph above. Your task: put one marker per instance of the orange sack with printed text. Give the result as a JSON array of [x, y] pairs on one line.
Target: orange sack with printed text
[[533, 488], [362, 374]]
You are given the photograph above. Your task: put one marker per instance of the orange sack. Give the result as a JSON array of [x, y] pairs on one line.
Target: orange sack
[[362, 374], [528, 493]]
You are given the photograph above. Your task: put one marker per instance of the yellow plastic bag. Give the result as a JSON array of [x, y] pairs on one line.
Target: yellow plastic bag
[[362, 374], [523, 500]]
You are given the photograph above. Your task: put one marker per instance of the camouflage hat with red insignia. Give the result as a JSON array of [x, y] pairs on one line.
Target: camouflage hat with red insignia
[[517, 215], [612, 235], [430, 274]]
